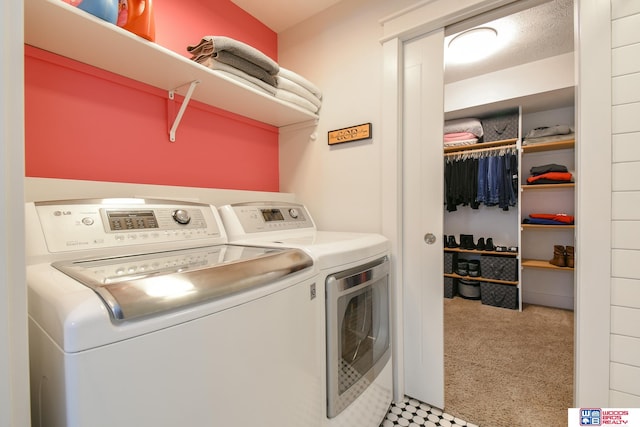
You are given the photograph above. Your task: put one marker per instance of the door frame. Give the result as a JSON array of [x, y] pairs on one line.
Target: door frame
[[593, 83]]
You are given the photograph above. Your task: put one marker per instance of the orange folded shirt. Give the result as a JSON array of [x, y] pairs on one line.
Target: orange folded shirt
[[555, 176]]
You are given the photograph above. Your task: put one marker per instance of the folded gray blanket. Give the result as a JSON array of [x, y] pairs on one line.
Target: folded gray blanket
[[549, 131], [238, 75], [470, 125], [218, 44], [297, 78]]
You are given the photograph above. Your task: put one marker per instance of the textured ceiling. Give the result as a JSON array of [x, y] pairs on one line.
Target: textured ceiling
[[539, 32]]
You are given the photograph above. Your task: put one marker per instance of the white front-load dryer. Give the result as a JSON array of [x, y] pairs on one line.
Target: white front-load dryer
[[354, 283]]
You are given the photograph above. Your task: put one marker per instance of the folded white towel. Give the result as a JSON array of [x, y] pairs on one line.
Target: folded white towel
[[291, 97], [286, 84], [297, 78]]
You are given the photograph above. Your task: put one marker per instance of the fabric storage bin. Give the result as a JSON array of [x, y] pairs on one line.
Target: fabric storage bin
[[501, 127], [499, 267], [469, 289], [450, 260], [450, 287], [499, 295]]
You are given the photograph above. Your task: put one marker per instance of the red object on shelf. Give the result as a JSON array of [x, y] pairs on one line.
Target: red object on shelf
[[137, 16]]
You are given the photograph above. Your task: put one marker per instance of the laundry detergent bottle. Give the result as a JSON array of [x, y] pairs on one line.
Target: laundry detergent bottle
[[103, 9], [137, 17]]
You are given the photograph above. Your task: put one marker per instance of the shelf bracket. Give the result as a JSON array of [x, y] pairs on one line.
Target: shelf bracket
[[185, 102]]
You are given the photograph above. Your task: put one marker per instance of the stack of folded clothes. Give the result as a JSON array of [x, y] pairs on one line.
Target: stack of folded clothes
[[246, 64], [549, 134], [549, 174], [462, 132], [549, 219]]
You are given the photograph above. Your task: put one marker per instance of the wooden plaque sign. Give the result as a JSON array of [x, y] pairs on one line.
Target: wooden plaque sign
[[350, 134]]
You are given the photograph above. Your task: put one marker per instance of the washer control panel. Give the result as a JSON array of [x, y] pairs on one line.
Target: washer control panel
[[243, 219], [95, 224]]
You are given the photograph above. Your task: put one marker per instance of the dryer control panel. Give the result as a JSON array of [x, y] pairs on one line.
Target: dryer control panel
[[242, 219], [74, 225]]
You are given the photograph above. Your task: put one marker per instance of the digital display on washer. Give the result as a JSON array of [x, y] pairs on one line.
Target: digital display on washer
[[272, 215], [131, 220]]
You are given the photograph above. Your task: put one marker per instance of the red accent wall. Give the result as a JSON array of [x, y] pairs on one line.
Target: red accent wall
[[89, 124]]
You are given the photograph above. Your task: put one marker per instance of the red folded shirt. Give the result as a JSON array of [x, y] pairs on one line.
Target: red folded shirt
[[556, 217], [555, 176]]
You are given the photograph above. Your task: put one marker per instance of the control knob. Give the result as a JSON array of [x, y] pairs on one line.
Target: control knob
[[181, 216], [294, 213]]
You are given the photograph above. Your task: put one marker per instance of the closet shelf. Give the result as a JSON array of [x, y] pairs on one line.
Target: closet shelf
[[481, 145], [536, 263], [546, 227], [58, 27], [475, 251], [481, 279], [548, 186], [549, 146]]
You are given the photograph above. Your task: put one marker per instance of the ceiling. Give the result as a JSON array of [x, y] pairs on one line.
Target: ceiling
[[539, 32]]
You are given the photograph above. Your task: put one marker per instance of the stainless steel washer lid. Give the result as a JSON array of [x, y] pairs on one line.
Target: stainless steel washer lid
[[141, 285]]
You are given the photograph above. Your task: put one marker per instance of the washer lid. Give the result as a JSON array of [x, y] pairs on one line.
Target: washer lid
[[141, 285]]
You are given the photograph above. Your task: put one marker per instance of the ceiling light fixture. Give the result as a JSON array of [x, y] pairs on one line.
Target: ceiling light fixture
[[472, 45]]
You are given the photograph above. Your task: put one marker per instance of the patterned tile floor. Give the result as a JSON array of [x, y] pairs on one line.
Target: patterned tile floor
[[413, 413]]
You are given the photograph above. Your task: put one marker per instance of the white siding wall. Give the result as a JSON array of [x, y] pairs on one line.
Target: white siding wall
[[625, 262]]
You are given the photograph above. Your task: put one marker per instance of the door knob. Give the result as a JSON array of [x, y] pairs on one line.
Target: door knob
[[429, 238]]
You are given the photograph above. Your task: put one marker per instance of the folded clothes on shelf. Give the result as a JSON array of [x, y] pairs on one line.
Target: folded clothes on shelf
[[550, 178], [549, 219], [245, 64]]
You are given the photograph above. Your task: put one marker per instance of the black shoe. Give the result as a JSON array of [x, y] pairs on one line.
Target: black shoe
[[451, 242], [481, 245], [489, 245], [466, 242]]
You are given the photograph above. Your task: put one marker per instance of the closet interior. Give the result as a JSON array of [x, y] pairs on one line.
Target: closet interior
[[509, 203]]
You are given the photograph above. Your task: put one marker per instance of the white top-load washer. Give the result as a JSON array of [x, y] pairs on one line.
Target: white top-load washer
[[141, 314], [354, 283]]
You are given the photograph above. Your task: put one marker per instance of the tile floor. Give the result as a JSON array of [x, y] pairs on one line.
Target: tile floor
[[413, 413]]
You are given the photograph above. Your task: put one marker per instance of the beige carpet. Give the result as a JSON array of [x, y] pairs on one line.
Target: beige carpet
[[505, 368]]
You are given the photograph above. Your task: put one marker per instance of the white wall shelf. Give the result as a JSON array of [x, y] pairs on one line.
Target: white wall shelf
[[57, 27]]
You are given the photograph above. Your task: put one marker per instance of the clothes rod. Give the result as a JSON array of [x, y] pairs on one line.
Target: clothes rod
[[509, 148]]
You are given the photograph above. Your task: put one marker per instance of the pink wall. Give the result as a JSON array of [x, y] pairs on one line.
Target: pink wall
[[85, 123]]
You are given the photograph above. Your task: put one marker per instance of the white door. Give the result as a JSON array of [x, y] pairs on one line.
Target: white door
[[422, 209]]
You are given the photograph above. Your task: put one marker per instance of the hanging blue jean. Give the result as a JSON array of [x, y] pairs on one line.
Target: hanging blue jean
[[493, 181]]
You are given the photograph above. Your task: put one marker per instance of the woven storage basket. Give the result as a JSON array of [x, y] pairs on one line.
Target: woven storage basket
[[499, 267], [499, 295], [501, 127], [450, 287], [450, 260]]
